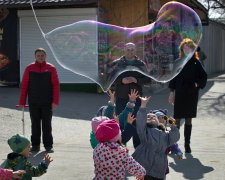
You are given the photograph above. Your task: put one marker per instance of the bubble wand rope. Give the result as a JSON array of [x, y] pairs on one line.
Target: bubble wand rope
[[23, 122], [32, 7]]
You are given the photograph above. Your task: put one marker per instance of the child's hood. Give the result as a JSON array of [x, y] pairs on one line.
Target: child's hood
[[13, 157]]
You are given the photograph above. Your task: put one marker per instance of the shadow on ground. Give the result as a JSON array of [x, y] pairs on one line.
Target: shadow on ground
[[191, 167], [78, 105], [73, 105]]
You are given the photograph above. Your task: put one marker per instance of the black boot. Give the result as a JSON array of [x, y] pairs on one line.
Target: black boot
[[187, 137]]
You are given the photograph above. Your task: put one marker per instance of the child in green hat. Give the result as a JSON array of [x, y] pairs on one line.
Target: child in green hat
[[17, 160]]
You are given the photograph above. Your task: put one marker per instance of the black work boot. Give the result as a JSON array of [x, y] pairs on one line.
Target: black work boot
[[35, 149], [187, 137], [49, 149]]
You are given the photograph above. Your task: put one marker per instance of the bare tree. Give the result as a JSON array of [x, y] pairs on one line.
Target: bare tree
[[216, 8]]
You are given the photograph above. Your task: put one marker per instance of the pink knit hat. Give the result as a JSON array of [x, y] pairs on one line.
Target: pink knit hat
[[96, 121], [108, 130]]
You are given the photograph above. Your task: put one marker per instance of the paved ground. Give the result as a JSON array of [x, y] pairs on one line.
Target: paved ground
[[71, 128]]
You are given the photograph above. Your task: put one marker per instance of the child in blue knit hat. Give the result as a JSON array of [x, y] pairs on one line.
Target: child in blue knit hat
[[126, 126], [174, 149], [17, 160], [154, 142]]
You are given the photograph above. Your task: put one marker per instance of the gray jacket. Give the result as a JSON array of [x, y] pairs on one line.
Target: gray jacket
[[151, 152]]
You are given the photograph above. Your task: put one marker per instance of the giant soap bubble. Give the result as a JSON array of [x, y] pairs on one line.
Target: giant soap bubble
[[89, 48]]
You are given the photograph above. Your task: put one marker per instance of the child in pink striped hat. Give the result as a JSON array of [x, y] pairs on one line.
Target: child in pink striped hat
[[111, 159], [125, 120]]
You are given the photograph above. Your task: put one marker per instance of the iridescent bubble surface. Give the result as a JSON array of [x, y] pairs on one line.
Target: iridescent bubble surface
[[89, 48]]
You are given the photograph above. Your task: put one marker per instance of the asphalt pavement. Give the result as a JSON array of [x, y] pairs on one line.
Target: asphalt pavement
[[71, 122]]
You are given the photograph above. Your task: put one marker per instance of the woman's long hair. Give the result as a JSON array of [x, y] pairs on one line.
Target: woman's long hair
[[191, 44]]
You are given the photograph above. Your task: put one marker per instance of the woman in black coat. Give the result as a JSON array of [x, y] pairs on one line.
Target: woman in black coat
[[184, 89]]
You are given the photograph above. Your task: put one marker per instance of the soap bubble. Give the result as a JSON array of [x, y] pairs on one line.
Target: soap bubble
[[90, 48]]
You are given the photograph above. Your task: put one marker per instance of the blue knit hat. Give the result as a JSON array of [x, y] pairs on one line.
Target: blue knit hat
[[159, 112], [18, 143]]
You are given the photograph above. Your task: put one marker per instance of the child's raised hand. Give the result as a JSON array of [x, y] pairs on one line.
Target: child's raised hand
[[116, 117], [131, 118], [133, 95], [48, 159], [17, 173], [112, 96], [144, 101]]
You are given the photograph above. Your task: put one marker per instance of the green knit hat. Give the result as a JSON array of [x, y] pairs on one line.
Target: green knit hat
[[18, 143]]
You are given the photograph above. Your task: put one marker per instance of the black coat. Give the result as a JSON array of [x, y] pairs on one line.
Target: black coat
[[186, 93], [122, 90]]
